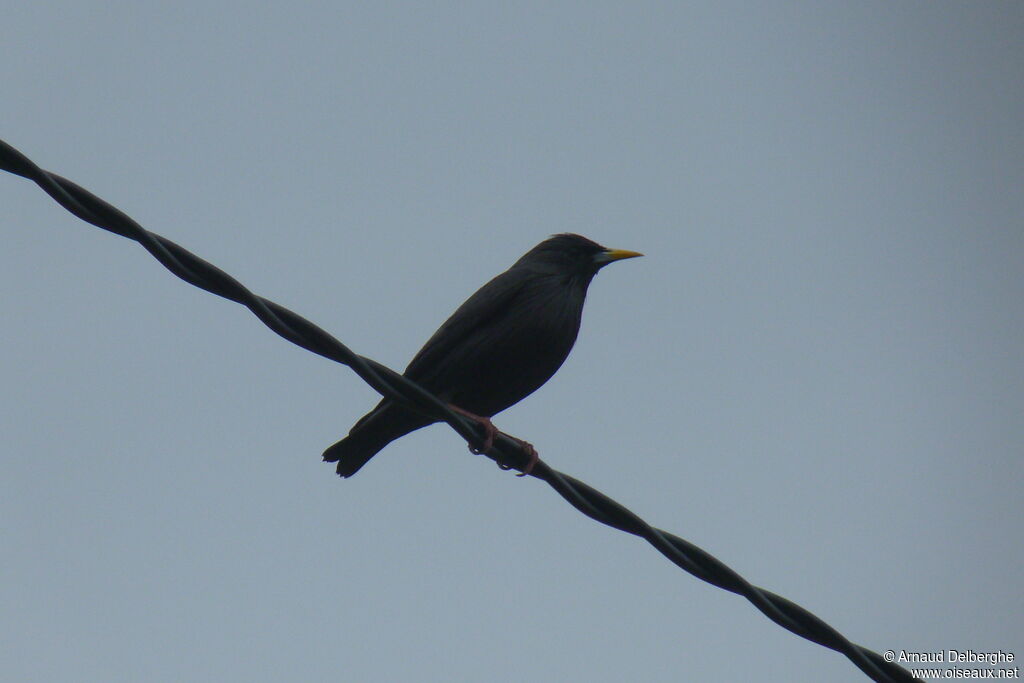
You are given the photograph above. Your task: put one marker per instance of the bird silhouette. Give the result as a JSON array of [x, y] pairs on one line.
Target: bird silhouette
[[498, 347]]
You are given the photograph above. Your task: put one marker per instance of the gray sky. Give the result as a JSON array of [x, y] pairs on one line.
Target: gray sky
[[815, 374]]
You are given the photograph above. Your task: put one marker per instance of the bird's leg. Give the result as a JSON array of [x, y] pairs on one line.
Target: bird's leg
[[489, 428], [492, 431]]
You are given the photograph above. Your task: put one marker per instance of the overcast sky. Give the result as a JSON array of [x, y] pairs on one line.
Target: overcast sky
[[816, 372]]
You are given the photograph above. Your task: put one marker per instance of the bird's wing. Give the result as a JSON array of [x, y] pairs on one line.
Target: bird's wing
[[489, 302]]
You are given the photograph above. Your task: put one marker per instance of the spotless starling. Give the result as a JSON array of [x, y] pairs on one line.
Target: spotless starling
[[499, 347]]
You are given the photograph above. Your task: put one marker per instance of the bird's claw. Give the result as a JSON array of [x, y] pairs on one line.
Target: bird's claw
[[490, 430], [534, 459]]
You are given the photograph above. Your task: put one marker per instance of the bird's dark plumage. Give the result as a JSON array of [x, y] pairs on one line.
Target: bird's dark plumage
[[500, 346]]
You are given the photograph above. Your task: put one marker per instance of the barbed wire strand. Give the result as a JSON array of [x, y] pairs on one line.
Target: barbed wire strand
[[507, 451]]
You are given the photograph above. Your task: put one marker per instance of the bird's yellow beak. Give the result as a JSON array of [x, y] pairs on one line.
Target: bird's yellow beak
[[609, 255]]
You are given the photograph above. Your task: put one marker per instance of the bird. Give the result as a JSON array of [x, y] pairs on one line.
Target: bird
[[496, 349]]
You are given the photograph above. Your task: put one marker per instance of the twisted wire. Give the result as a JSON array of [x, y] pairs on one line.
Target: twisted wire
[[507, 451]]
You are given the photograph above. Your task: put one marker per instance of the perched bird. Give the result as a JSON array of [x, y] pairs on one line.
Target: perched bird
[[499, 347]]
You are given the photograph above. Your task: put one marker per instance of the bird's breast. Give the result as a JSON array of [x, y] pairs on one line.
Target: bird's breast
[[513, 358]]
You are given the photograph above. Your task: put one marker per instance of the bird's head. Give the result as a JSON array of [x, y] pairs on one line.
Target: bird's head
[[572, 254]]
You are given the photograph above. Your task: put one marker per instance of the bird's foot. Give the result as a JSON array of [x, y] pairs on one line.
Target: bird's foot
[[491, 432], [534, 458], [489, 429]]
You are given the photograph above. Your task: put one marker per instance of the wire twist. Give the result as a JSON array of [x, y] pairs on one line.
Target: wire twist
[[507, 451]]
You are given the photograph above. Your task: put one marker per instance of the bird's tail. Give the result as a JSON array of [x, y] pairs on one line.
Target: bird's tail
[[374, 431], [356, 449]]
